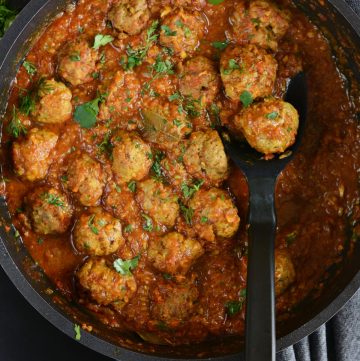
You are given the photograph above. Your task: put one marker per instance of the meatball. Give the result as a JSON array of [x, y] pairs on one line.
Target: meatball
[[182, 31], [158, 201], [247, 69], [284, 271], [262, 24], [164, 123], [200, 80], [33, 155], [129, 16], [174, 253], [214, 215], [86, 179], [54, 104], [98, 233], [175, 172], [172, 304], [49, 211], [77, 62], [131, 157], [104, 285], [198, 4], [205, 157], [270, 126], [122, 95]]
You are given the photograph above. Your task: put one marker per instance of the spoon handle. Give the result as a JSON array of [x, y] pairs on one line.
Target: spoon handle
[[260, 304]]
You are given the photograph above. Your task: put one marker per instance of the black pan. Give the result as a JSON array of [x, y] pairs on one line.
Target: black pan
[[342, 28]]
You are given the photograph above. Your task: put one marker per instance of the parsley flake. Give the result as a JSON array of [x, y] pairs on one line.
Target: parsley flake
[[272, 115], [77, 330], [168, 31], [29, 67], [53, 200], [132, 186], [101, 40], [92, 226], [16, 127], [246, 98], [148, 224], [125, 267]]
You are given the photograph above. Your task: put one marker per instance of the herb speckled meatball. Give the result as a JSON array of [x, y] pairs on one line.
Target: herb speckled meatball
[[104, 285], [261, 23], [247, 69], [98, 233], [172, 304], [77, 62], [158, 201], [174, 253], [200, 80], [205, 157], [32, 156], [49, 210], [215, 215], [164, 123], [270, 126], [131, 157], [129, 16], [182, 31], [54, 103], [86, 179], [284, 271], [122, 93]]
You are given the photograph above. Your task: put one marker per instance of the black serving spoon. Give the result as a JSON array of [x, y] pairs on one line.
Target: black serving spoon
[[261, 176]]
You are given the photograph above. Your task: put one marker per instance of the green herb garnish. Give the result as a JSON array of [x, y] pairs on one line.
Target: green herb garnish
[[53, 199], [187, 212], [86, 113], [77, 330], [15, 127], [148, 224], [29, 67], [246, 98], [167, 30], [92, 226], [272, 115], [132, 186], [220, 45], [190, 190], [102, 40], [125, 267]]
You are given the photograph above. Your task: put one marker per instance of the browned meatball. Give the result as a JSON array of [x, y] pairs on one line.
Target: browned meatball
[[172, 304], [270, 126], [33, 155], [77, 62], [175, 172], [164, 123], [131, 157], [200, 80], [198, 4], [261, 23], [247, 69], [122, 96], [104, 285], [182, 31], [129, 16], [205, 157], [86, 179], [284, 271], [54, 104], [158, 201], [98, 233], [49, 210], [173, 253], [215, 215]]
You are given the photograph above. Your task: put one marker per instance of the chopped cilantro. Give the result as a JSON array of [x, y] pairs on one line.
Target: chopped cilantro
[[53, 199], [77, 330], [102, 40], [27, 104], [158, 156], [7, 17], [190, 190], [215, 2], [246, 98], [92, 226], [125, 267], [204, 219], [40, 240], [220, 45], [148, 224], [167, 276], [168, 31], [128, 228], [291, 237], [187, 212], [75, 56], [232, 65], [272, 115], [29, 67], [132, 186], [174, 96]]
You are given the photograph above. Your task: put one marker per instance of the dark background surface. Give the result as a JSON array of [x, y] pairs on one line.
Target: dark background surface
[[26, 336]]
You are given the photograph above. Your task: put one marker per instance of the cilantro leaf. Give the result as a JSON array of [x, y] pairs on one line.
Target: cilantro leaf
[[132, 186], [215, 2], [53, 200], [221, 45], [86, 113], [125, 267], [190, 190], [77, 330], [272, 115], [102, 40], [148, 224], [29, 67], [168, 31], [187, 212], [15, 127], [246, 98]]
